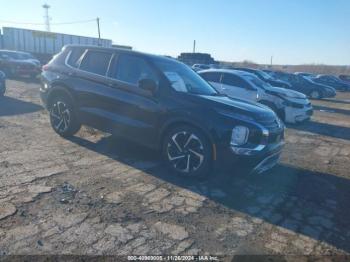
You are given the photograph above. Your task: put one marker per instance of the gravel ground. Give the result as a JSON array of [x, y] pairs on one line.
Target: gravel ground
[[94, 194]]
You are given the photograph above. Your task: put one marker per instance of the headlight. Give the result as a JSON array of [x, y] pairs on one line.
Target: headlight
[[239, 135]]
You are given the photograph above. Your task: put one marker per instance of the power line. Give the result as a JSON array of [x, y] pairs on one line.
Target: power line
[[63, 23]]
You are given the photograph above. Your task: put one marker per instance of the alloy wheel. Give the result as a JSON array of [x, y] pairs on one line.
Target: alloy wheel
[[60, 116], [185, 152]]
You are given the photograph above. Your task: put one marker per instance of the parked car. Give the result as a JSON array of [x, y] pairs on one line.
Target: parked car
[[291, 106], [2, 84], [198, 67], [160, 103], [15, 64], [345, 78], [332, 81], [305, 74], [268, 71], [265, 77], [306, 85]]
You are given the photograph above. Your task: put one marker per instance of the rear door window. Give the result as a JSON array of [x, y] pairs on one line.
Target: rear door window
[[131, 69], [96, 62]]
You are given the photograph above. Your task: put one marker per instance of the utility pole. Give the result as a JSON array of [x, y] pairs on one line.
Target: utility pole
[[47, 17], [271, 60], [194, 46], [98, 29]]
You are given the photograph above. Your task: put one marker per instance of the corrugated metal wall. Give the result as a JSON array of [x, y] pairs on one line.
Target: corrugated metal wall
[[41, 42]]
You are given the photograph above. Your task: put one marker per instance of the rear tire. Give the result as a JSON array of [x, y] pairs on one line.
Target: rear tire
[[63, 117], [187, 152]]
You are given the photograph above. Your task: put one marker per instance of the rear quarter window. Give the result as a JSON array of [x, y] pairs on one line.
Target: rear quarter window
[[74, 57]]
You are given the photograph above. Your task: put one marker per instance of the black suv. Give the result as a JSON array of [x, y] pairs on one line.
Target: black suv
[[306, 85], [159, 103], [265, 77]]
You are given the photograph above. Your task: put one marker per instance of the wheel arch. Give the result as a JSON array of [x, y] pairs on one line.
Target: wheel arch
[[59, 88]]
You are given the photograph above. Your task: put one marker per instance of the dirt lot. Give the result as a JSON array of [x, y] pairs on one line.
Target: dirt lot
[[95, 194]]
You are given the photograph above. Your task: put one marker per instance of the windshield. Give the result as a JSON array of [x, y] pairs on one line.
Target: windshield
[[308, 79], [183, 79], [257, 82], [335, 79], [264, 74]]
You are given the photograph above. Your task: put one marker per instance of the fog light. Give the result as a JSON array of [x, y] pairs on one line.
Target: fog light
[[239, 135]]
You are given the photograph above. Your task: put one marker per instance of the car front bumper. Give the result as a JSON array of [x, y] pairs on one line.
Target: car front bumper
[[329, 93], [296, 115], [256, 162]]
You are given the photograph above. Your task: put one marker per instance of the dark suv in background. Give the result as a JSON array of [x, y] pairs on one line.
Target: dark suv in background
[[160, 103], [306, 85], [16, 64], [265, 77], [332, 81]]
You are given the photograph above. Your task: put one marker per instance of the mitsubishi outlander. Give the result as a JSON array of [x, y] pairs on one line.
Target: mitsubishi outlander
[[162, 104]]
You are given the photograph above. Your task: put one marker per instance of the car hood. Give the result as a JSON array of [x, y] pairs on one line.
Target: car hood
[[235, 107], [286, 92]]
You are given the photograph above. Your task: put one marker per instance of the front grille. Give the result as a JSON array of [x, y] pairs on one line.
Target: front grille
[[275, 128], [254, 137], [275, 138]]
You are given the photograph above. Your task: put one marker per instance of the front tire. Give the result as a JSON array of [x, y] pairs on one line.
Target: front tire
[[2, 92], [315, 94], [187, 152], [63, 116]]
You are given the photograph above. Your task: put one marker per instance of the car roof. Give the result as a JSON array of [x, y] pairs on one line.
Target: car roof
[[13, 51], [229, 71], [246, 69], [119, 50]]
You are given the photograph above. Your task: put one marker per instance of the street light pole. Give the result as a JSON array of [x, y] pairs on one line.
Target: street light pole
[[98, 29]]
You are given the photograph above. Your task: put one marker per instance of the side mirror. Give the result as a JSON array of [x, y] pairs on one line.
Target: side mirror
[[149, 85]]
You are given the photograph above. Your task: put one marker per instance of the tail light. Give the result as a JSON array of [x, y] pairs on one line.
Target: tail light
[[45, 67]]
